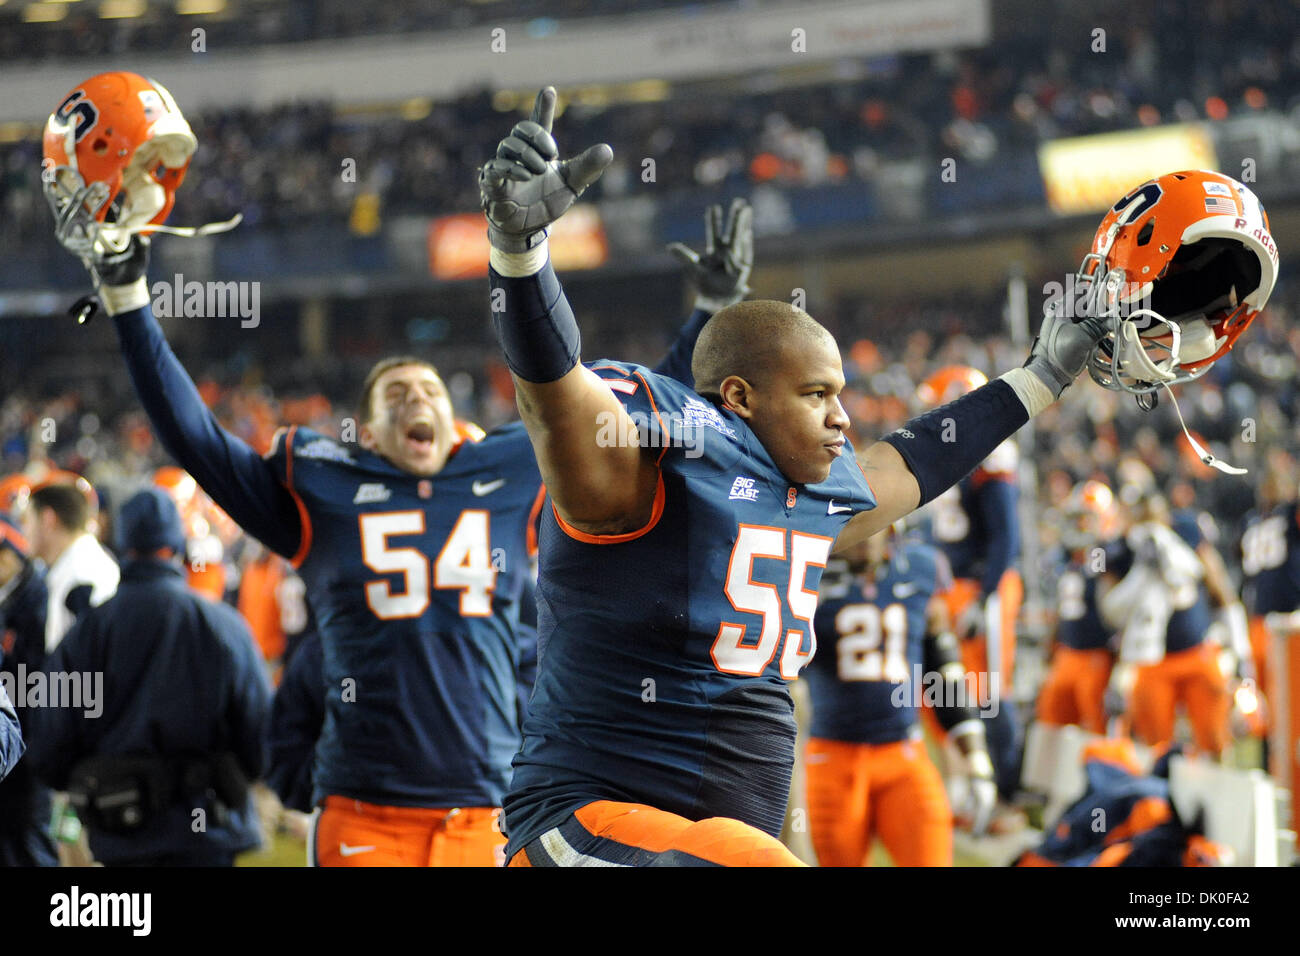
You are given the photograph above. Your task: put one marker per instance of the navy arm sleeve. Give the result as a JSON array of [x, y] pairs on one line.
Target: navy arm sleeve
[[997, 501], [235, 476], [11, 738], [677, 363]]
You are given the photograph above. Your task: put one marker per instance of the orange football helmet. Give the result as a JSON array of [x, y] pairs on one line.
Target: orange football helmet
[[1179, 268], [949, 383], [1091, 515], [14, 490], [116, 150]]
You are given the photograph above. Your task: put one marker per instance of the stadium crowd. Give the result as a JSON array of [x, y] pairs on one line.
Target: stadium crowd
[[975, 105], [1245, 409]]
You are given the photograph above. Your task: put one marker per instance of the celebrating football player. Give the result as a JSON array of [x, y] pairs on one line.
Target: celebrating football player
[[679, 570], [414, 546]]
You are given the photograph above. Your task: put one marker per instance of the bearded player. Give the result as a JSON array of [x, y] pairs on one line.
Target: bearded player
[[414, 546], [684, 540]]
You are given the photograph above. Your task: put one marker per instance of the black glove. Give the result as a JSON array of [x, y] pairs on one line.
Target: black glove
[[115, 274], [721, 275], [526, 188]]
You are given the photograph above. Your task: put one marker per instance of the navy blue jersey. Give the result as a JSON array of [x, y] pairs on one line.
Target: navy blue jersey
[[1270, 560], [871, 633], [974, 523], [664, 652], [1078, 619], [415, 584]]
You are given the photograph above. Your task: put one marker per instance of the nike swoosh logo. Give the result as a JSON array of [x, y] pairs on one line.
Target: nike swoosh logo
[[834, 509], [345, 850], [481, 488]]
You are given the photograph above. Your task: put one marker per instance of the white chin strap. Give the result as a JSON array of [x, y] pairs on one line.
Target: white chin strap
[[1205, 456]]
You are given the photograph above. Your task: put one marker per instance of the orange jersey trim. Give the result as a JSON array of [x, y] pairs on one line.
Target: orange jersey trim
[[663, 430], [655, 514], [534, 513], [304, 541]]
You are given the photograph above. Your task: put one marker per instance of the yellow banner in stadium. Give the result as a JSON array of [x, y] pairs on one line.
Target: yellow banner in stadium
[[1088, 173], [458, 244]]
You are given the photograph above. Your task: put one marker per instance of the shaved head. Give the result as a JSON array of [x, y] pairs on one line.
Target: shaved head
[[753, 340]]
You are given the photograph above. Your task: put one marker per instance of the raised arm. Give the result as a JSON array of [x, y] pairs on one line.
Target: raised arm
[[598, 476], [916, 463], [235, 476], [720, 278]]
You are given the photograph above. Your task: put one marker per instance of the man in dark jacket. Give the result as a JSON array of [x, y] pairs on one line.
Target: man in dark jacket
[[161, 777]]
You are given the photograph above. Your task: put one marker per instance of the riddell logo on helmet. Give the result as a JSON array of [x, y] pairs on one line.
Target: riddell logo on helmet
[[1074, 294]]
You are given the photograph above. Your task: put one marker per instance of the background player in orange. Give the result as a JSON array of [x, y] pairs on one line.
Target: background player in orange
[[1163, 619], [205, 569], [1270, 567], [1075, 688], [884, 644]]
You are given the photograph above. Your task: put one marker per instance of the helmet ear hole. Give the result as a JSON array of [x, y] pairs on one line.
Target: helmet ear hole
[[1144, 236], [100, 146], [1204, 277]]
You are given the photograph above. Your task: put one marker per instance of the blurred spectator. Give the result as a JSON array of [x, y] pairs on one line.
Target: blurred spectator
[[161, 777], [80, 573]]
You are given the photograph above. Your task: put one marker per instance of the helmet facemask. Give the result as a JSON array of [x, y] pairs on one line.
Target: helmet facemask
[[1162, 332]]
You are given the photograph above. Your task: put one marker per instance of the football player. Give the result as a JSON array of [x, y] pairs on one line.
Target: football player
[[1270, 563], [684, 541], [976, 526], [884, 645], [1125, 818], [1075, 688], [205, 568], [414, 546], [1160, 610]]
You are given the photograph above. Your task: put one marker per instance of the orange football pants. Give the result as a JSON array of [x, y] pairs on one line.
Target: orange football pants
[[354, 833], [1075, 689], [720, 840], [1192, 678], [859, 791]]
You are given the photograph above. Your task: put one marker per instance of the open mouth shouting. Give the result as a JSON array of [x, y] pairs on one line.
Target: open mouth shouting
[[419, 436]]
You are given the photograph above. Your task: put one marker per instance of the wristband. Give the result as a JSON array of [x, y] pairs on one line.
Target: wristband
[[534, 324]]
